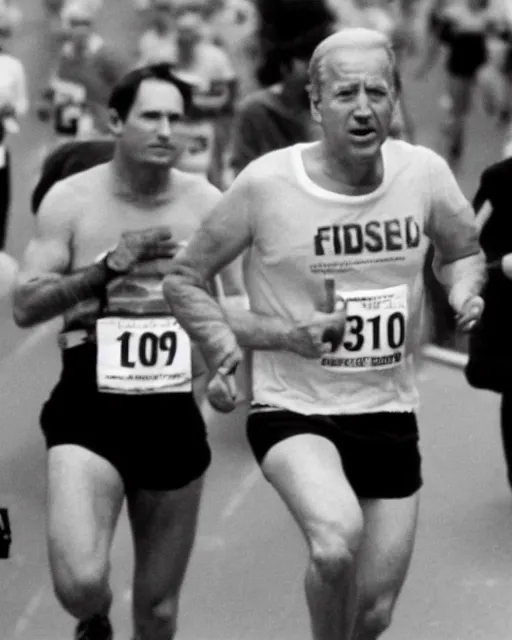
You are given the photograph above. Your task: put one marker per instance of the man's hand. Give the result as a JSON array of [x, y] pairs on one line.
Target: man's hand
[[222, 391], [322, 334], [138, 246], [470, 314]]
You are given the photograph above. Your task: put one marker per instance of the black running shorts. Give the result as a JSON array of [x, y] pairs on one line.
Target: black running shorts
[[379, 451], [156, 442]]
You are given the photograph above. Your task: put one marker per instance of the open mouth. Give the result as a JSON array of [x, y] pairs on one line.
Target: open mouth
[[363, 133]]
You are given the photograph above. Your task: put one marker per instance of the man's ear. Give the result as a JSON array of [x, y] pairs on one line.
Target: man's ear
[[314, 103], [115, 124]]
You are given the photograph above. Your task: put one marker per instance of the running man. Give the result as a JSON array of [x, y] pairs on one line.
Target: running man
[[105, 239], [86, 71], [341, 223]]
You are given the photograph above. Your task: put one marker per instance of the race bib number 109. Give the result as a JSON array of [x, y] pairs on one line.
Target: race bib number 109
[[375, 331], [143, 356]]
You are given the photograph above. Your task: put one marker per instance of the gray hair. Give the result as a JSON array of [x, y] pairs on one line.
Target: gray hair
[[348, 38]]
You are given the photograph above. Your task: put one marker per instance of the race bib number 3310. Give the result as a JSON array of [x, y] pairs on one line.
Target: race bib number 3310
[[375, 331], [143, 356]]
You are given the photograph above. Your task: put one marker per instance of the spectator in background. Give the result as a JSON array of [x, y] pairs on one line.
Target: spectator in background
[[87, 69], [207, 67], [279, 115], [13, 105], [158, 42]]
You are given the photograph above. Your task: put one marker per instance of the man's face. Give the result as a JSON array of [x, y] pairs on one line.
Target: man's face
[[190, 27], [356, 101], [80, 29], [153, 132], [164, 14]]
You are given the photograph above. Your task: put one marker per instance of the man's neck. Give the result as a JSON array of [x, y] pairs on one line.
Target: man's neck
[[137, 181], [353, 178]]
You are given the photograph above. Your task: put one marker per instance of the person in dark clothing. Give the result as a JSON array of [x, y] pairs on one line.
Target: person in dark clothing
[[277, 116], [490, 344], [285, 21], [68, 159]]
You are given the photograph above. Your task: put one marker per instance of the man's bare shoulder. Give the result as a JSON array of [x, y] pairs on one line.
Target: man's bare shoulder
[[85, 184], [68, 197]]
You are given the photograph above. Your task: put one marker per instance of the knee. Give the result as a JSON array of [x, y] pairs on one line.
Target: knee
[[157, 617], [334, 547], [81, 588], [375, 617]]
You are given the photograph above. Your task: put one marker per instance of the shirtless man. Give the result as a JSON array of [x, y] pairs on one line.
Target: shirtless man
[[122, 421]]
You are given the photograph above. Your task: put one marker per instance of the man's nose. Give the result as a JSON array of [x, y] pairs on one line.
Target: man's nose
[[362, 105], [164, 128]]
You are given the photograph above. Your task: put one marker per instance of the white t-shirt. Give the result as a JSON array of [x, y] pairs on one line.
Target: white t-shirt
[[155, 48], [373, 246], [13, 84]]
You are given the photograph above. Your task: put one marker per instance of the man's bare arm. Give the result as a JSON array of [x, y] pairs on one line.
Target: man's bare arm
[[38, 298], [42, 290], [463, 279], [45, 287]]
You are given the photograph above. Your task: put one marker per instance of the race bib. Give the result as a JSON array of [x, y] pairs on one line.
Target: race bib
[[66, 91], [198, 155], [69, 100], [375, 331], [143, 356], [67, 119]]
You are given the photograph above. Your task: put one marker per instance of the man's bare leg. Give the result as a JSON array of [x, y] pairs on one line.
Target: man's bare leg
[[307, 473], [164, 527], [85, 496], [385, 554]]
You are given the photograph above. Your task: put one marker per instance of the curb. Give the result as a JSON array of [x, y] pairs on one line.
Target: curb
[[445, 356]]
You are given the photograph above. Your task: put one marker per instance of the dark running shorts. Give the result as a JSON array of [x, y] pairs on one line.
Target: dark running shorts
[[379, 451], [156, 442]]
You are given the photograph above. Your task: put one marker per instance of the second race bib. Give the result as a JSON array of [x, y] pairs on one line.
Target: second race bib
[[375, 331], [143, 356]]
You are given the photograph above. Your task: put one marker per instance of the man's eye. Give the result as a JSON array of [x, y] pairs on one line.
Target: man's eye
[[376, 91], [345, 93]]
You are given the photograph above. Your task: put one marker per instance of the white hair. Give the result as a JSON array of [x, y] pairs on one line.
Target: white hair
[[348, 38]]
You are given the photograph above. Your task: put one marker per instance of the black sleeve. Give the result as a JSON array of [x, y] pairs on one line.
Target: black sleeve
[[52, 172], [68, 159], [482, 194], [245, 141]]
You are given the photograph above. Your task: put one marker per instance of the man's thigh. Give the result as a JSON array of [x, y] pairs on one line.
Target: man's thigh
[[164, 526], [85, 496], [386, 548], [306, 471]]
